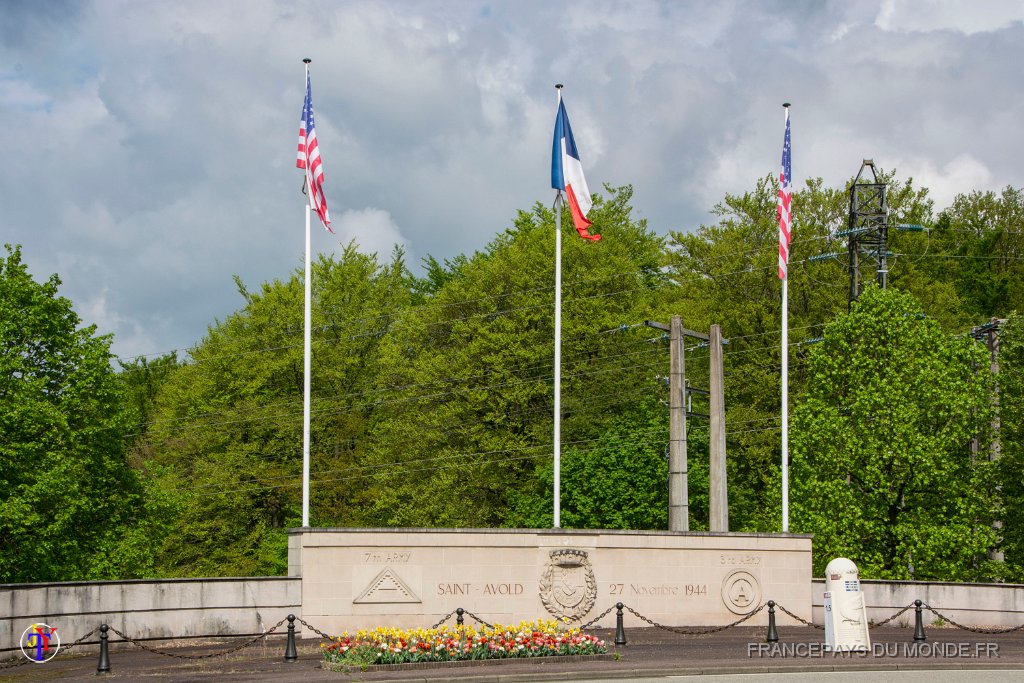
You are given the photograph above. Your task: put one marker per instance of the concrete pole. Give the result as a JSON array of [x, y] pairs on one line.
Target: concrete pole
[[719, 490], [995, 447], [678, 495]]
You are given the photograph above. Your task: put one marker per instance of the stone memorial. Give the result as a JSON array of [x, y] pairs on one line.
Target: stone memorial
[[363, 578]]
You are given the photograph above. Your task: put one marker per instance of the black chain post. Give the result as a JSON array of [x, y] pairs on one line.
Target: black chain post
[[290, 653], [773, 633], [459, 619], [919, 636], [104, 666], [620, 629]]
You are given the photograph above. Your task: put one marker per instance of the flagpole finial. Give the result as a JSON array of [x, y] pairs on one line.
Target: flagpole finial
[[306, 60], [786, 105], [558, 86]]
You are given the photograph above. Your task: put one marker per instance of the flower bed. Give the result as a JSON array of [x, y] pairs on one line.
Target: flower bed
[[386, 645]]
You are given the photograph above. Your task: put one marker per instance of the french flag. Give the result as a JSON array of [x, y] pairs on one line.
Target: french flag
[[567, 173]]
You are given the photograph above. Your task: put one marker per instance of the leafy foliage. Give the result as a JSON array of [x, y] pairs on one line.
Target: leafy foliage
[[226, 438], [1011, 443], [432, 396], [67, 497], [469, 421], [979, 248], [882, 469], [726, 273], [619, 481]]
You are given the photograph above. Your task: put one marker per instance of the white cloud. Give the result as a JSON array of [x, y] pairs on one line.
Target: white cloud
[[839, 32], [17, 93], [150, 145], [958, 176], [373, 230], [965, 16], [132, 337]]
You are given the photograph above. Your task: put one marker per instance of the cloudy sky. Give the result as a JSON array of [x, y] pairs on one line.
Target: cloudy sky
[[148, 147]]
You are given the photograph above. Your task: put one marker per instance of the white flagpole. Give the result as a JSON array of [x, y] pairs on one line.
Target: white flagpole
[[785, 376], [306, 349], [558, 349], [785, 402]]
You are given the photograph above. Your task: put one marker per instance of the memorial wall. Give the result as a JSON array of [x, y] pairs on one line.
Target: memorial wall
[[360, 578]]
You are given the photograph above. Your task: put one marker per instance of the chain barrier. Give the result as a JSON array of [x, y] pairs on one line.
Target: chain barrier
[[15, 662], [904, 611], [175, 655], [693, 632], [443, 619], [800, 619], [989, 631], [312, 628], [80, 640], [686, 632], [883, 623], [596, 619], [63, 648], [478, 619]]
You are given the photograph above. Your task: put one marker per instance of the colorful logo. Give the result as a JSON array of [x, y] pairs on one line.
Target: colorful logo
[[40, 643]]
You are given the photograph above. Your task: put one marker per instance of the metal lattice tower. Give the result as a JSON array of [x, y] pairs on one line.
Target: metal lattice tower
[[868, 231]]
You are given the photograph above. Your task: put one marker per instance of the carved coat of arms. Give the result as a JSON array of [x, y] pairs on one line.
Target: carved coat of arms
[[568, 587]]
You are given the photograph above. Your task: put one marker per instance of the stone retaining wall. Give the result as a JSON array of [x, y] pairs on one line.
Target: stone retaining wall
[[997, 605], [357, 578], [171, 608]]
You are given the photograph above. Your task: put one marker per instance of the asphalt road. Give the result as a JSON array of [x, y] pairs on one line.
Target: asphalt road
[[738, 654]]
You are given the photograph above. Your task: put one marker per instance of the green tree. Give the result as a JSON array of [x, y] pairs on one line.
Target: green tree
[[141, 380], [68, 500], [882, 469], [979, 248], [466, 378], [620, 480], [726, 273], [1011, 437], [224, 444]]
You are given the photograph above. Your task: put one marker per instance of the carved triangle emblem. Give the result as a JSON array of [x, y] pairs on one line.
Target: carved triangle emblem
[[387, 587]]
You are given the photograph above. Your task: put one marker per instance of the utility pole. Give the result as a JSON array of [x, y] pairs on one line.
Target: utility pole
[[679, 393], [718, 482], [678, 468], [990, 333]]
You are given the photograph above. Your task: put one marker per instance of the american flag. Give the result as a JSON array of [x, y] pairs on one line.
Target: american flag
[[309, 159], [785, 208]]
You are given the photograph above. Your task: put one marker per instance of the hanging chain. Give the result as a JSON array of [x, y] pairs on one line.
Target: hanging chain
[[80, 640], [14, 662], [990, 631], [312, 628], [64, 648], [596, 619], [443, 619], [478, 619], [801, 620], [693, 632], [175, 655], [883, 623]]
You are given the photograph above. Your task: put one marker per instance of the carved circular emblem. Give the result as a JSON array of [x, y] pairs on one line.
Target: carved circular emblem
[[741, 591], [568, 587]]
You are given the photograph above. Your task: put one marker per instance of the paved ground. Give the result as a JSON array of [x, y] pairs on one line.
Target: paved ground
[[899, 676], [651, 655]]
